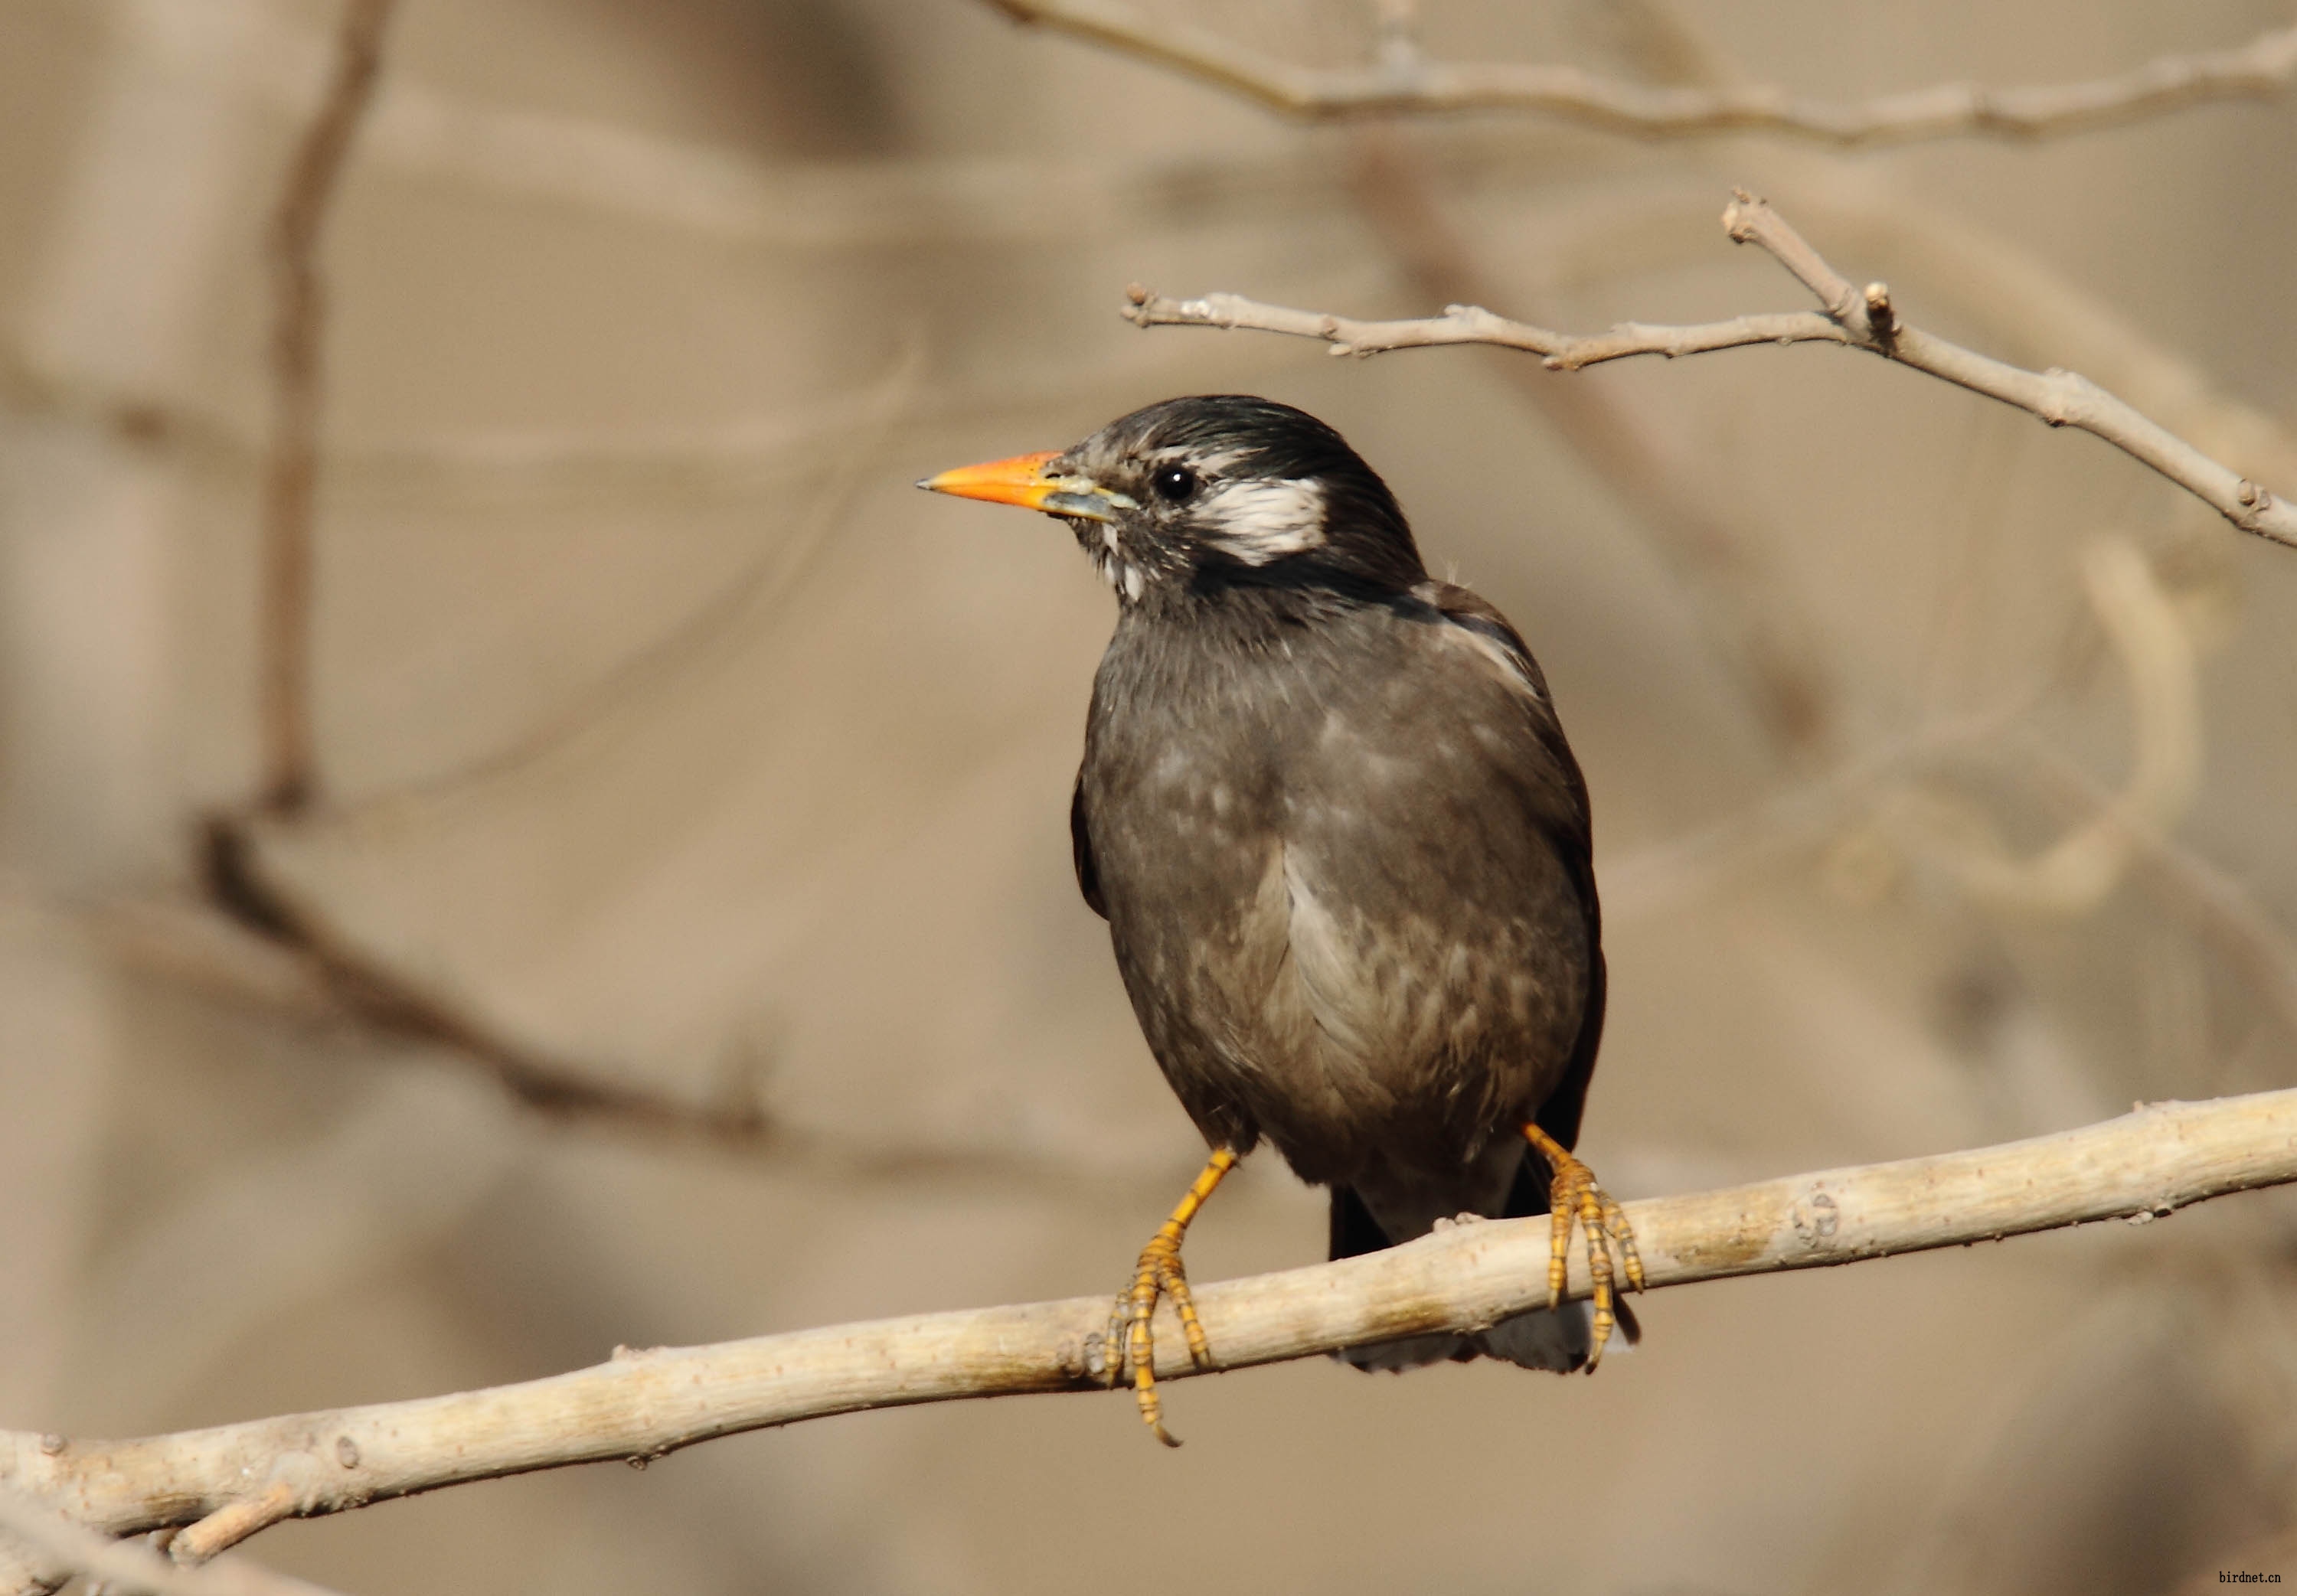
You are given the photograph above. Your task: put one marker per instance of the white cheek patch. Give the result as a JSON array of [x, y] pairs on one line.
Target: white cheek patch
[[1257, 521]]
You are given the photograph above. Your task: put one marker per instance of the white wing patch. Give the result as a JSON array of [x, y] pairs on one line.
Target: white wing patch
[[1260, 521], [1499, 653], [1331, 982]]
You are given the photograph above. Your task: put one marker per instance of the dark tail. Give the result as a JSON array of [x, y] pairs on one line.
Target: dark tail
[[1539, 1339]]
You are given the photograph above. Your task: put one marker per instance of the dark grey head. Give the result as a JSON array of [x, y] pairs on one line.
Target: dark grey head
[[1193, 495]]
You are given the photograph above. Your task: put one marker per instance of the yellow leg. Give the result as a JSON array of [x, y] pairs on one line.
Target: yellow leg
[[1572, 1194], [1158, 1274]]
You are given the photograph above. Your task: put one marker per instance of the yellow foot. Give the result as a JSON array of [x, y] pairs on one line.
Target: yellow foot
[[1158, 1273], [1573, 1195]]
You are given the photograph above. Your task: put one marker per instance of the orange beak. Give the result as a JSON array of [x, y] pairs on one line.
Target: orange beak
[[1021, 481]]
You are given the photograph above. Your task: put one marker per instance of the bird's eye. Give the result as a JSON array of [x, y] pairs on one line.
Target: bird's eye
[[1174, 483]]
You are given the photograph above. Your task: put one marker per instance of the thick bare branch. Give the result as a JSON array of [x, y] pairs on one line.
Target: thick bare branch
[[1864, 319], [647, 1402], [1404, 81], [299, 319]]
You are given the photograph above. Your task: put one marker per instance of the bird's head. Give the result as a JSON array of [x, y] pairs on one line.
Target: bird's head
[[1192, 495]]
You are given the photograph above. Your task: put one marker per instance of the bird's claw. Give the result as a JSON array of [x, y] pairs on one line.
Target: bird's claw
[[1574, 1196], [1158, 1273], [1129, 1339]]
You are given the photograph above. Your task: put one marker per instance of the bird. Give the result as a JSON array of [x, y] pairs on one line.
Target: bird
[[1329, 813]]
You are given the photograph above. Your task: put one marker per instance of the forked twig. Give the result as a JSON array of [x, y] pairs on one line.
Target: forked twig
[[1859, 318]]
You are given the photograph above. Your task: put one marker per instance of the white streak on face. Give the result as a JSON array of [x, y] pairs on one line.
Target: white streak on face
[[1209, 465], [1260, 521], [1108, 536], [1133, 584]]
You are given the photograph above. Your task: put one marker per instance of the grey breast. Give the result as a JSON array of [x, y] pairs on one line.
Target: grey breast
[[1335, 912]]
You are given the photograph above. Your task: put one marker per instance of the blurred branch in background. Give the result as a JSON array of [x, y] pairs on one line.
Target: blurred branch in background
[[2112, 832], [1404, 81], [1859, 319], [319, 974], [2075, 874], [228, 1482], [1754, 626], [1666, 876], [2223, 911], [298, 338], [266, 953]]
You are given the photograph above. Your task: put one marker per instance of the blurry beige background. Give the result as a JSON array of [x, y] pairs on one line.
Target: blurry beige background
[[669, 737]]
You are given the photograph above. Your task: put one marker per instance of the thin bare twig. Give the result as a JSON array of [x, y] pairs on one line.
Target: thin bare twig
[[60, 1547], [299, 318], [644, 1403], [1864, 320], [1404, 81]]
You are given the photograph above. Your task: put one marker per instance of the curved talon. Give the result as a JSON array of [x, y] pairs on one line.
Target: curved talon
[[1158, 1273], [1574, 1197]]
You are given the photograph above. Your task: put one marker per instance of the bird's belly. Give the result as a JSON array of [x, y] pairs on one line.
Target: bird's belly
[[1317, 973]]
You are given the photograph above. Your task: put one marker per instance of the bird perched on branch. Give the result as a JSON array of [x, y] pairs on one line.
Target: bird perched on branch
[[1342, 846]]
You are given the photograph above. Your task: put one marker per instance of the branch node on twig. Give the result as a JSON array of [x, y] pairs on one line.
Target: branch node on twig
[[228, 1525], [1882, 320]]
